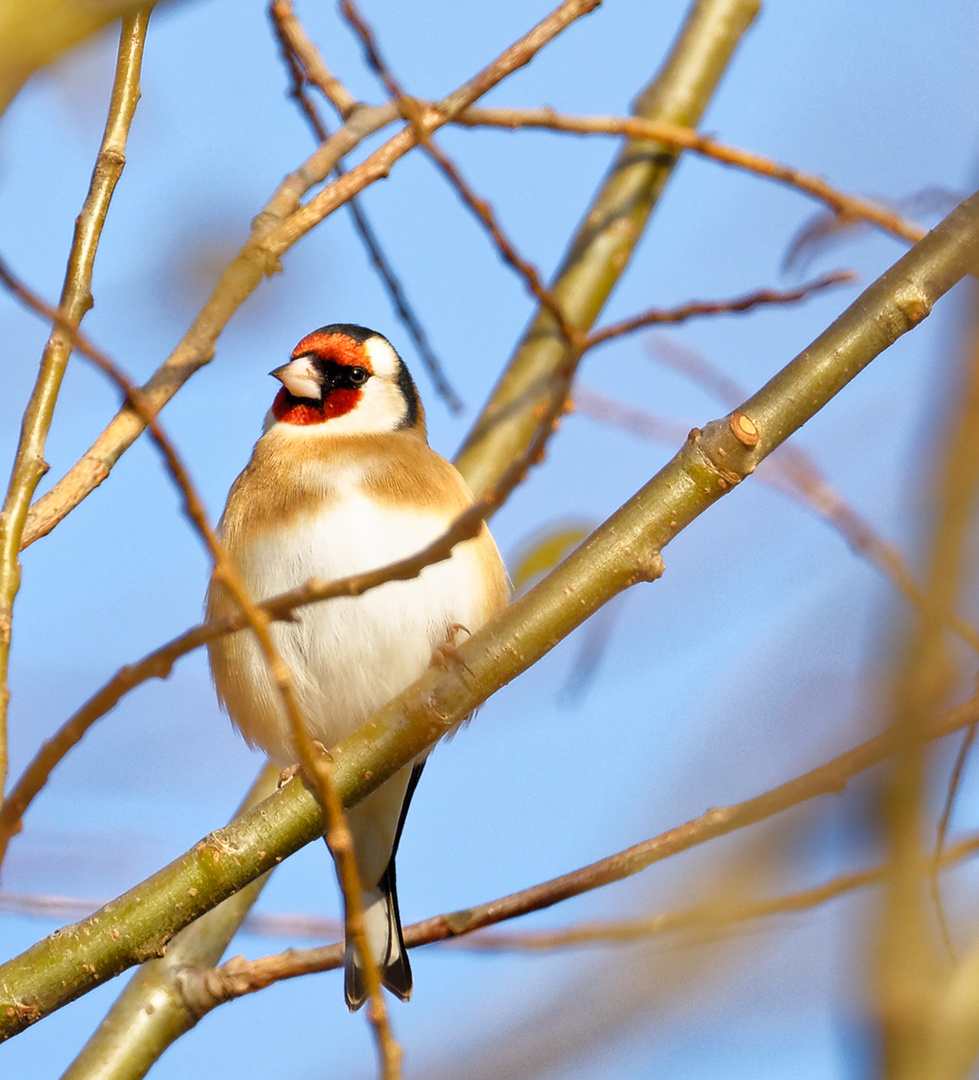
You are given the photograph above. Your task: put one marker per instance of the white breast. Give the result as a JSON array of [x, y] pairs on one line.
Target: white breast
[[351, 655]]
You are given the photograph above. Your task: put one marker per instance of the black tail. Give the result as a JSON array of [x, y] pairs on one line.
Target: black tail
[[382, 923]]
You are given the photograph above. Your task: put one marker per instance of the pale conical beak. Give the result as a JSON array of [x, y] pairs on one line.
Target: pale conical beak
[[300, 378]]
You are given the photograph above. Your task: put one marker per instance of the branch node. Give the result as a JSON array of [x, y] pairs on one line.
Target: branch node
[[913, 304], [650, 566], [744, 428], [730, 450]]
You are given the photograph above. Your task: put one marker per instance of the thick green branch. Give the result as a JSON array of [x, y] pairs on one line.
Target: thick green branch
[[623, 551], [603, 245], [152, 1011]]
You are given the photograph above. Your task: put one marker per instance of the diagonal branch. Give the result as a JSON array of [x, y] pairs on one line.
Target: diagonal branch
[[306, 66], [622, 552], [604, 242], [694, 308], [847, 207], [317, 768], [280, 224]]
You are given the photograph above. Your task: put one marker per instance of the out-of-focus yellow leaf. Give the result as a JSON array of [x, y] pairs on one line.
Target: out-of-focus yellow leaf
[[35, 32], [544, 549]]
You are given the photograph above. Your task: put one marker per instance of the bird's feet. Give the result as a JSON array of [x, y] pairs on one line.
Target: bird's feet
[[447, 651], [292, 770], [288, 773]]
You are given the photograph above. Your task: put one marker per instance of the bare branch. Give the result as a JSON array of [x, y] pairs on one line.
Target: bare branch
[[306, 62], [305, 65], [693, 308], [281, 223], [76, 299], [317, 767], [848, 207], [621, 553], [713, 916]]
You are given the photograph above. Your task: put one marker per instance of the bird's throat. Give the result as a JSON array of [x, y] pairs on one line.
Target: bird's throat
[[303, 411]]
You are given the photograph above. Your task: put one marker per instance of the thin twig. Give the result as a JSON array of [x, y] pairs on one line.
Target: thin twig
[[239, 976], [281, 223], [694, 308], [379, 164], [298, 50], [847, 206], [316, 767], [617, 414], [711, 916], [306, 66], [413, 111], [76, 299], [938, 858]]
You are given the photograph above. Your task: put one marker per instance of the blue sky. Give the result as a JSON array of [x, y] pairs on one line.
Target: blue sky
[[685, 712]]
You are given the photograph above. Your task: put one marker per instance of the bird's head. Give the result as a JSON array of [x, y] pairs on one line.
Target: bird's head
[[349, 378]]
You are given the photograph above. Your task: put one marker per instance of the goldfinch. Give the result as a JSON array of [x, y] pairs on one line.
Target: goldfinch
[[343, 481]]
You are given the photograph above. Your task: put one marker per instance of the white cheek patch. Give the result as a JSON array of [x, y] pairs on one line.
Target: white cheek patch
[[383, 359], [381, 408]]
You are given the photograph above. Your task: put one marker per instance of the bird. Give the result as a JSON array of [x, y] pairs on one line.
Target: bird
[[343, 481]]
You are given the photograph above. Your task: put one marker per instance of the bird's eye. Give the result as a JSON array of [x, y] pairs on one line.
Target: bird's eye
[[357, 376]]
